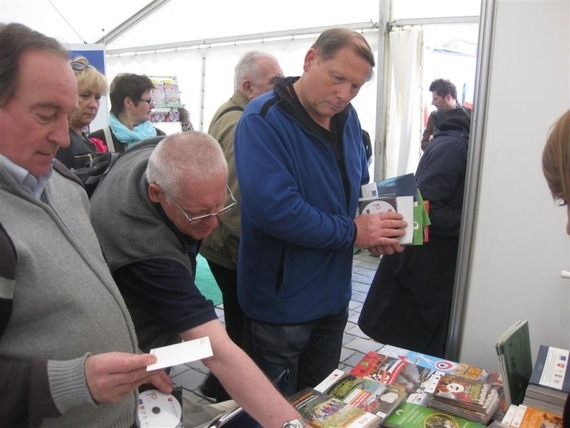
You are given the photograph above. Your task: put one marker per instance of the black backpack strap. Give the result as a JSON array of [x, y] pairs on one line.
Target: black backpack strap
[[63, 170], [229, 109], [100, 166]]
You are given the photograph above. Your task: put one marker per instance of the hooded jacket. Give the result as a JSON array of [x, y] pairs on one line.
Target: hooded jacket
[[297, 211], [409, 300]]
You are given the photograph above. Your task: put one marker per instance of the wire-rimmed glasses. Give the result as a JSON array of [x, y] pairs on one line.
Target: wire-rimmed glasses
[[199, 218]]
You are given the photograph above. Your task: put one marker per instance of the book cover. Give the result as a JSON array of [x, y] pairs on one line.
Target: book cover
[[367, 394], [551, 369], [529, 417], [421, 219], [323, 411], [418, 225], [515, 361], [401, 185], [406, 208], [471, 399], [426, 229], [393, 371], [463, 392], [442, 365], [414, 416]]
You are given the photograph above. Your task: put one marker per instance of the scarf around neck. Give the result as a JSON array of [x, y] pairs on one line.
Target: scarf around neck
[[126, 136]]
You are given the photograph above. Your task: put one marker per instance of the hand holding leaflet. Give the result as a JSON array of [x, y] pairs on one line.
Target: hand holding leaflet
[[181, 353]]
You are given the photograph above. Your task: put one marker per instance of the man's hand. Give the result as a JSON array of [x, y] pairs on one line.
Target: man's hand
[[112, 376], [380, 230], [380, 250], [162, 381]]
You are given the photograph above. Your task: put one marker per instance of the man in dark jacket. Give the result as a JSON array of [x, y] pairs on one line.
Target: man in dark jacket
[[410, 297], [444, 98]]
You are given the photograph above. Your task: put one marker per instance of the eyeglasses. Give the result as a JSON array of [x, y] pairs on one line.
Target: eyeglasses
[[218, 213], [148, 100], [79, 66]]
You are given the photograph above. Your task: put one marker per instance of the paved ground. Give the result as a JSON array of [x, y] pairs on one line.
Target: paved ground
[[356, 343]]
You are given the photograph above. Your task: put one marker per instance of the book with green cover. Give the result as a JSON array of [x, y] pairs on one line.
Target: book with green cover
[[421, 220], [515, 361], [413, 416]]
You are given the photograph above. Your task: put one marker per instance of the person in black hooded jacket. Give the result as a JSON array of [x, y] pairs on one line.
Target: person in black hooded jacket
[[409, 300]]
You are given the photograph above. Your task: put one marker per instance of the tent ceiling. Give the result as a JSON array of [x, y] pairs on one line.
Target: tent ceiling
[[126, 24], [78, 21], [71, 21]]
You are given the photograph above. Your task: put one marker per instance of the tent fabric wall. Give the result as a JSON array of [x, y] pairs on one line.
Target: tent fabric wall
[[404, 123], [206, 76]]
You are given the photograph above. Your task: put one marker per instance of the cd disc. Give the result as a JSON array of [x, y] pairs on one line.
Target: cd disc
[[159, 410], [378, 206]]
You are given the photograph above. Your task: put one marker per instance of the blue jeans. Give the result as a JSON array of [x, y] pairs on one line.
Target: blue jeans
[[309, 352]]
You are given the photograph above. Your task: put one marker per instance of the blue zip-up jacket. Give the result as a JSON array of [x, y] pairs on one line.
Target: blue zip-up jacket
[[297, 210]]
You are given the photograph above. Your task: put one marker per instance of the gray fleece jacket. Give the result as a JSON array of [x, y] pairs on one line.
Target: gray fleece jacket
[[62, 304]]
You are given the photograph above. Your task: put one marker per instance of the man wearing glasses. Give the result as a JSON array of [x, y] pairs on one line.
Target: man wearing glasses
[[150, 213]]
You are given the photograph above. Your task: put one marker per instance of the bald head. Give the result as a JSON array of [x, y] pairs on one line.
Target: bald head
[[194, 156]]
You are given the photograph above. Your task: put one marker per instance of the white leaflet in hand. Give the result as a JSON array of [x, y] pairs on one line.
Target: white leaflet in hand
[[181, 353]]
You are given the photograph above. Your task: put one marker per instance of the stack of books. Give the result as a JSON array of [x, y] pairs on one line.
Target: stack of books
[[549, 383], [322, 410], [529, 417], [472, 399], [394, 371], [372, 396], [456, 389]]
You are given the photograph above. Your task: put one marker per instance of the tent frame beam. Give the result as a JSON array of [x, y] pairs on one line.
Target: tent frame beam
[[246, 38], [132, 21]]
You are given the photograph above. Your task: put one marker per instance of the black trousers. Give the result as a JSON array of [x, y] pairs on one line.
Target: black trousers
[[233, 315]]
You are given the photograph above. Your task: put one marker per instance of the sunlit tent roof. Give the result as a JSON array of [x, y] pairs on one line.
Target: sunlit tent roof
[[145, 22], [199, 43]]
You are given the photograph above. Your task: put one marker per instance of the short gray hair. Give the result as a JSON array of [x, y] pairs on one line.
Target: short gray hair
[[247, 66], [191, 155]]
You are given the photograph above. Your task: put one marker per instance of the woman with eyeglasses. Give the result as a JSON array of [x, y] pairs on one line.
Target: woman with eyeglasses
[[131, 106], [91, 85]]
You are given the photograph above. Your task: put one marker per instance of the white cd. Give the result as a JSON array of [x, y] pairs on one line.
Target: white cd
[[159, 410], [378, 206]]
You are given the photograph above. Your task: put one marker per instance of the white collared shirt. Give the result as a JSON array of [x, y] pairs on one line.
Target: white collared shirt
[[31, 184]]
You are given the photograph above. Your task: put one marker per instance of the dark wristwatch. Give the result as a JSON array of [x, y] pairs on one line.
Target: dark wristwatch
[[295, 423]]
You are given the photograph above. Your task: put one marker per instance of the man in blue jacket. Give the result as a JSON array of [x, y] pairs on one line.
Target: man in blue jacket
[[300, 163]]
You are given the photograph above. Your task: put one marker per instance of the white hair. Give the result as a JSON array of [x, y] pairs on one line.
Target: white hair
[[193, 155], [248, 68]]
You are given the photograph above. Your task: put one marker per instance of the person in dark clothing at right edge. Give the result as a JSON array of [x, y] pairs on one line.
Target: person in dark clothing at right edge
[[409, 300]]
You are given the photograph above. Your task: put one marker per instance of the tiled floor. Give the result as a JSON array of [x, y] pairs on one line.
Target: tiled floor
[[356, 343]]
